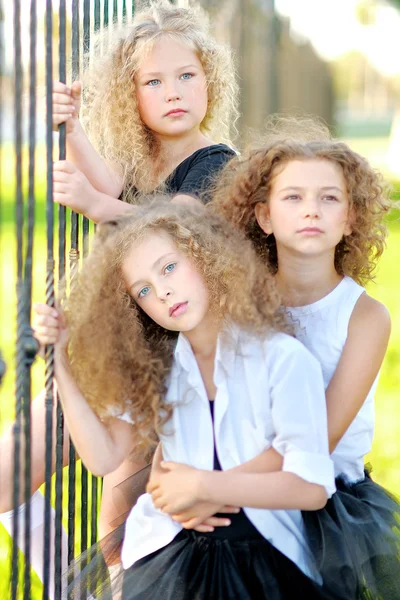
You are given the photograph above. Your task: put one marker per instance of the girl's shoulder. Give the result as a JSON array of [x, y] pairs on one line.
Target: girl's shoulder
[[194, 174], [276, 349]]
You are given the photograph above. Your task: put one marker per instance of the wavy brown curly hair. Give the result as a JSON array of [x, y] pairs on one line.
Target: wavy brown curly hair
[[119, 357], [110, 114], [247, 180]]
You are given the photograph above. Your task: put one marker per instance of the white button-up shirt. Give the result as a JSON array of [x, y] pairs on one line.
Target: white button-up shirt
[[270, 392]]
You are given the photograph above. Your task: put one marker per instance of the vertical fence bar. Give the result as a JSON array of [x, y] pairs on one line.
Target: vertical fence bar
[[30, 346], [115, 11], [19, 233], [49, 355], [105, 13], [74, 263], [85, 234], [61, 274]]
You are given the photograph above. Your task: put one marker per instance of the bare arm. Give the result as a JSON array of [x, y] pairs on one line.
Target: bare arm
[[362, 356], [102, 448], [274, 491], [104, 177]]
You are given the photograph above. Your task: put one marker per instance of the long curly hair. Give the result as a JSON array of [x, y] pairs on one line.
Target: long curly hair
[[247, 180], [119, 357], [110, 114]]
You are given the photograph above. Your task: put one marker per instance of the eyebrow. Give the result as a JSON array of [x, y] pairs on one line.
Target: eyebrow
[[153, 268], [324, 188], [158, 73]]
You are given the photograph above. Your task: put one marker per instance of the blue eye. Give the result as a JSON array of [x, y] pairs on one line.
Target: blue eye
[[153, 82], [187, 76], [143, 292], [170, 267]]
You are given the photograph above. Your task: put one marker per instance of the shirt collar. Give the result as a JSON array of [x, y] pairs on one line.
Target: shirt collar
[[227, 346]]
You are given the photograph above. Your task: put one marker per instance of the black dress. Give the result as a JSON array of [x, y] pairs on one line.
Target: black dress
[[195, 175]]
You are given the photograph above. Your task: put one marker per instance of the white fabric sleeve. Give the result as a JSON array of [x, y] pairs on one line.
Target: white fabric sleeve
[[299, 413], [37, 537]]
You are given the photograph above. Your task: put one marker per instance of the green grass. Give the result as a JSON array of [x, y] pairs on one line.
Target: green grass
[[385, 455]]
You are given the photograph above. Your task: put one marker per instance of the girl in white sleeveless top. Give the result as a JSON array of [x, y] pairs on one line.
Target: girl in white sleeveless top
[[314, 211]]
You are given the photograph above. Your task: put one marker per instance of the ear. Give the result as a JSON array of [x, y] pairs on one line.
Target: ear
[[261, 210], [348, 229]]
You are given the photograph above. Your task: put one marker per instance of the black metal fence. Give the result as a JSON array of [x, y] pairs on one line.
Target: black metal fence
[[66, 25]]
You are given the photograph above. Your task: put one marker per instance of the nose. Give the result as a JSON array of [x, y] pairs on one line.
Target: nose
[[312, 209], [172, 93], [164, 294]]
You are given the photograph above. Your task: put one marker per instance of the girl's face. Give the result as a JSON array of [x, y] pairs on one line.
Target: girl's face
[[308, 208], [165, 283], [171, 89]]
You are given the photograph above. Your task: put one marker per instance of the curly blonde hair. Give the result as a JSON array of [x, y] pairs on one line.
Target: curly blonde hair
[[110, 114], [247, 180], [119, 356]]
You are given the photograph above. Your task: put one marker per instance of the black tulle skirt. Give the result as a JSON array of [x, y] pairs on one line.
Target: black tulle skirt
[[355, 540], [197, 567]]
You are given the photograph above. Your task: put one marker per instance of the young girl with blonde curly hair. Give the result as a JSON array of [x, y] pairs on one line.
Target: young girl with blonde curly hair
[[158, 109], [216, 396], [314, 212]]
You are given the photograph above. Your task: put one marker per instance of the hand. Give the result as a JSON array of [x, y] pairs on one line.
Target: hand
[[177, 489], [49, 326], [72, 188], [200, 516], [66, 105]]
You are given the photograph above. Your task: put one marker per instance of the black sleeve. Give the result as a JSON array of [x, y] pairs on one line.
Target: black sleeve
[[198, 178]]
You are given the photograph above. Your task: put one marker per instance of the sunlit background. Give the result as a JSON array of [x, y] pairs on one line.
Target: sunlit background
[[338, 59]]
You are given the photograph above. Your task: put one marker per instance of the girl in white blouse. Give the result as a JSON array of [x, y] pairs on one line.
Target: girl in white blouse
[[231, 385], [314, 212]]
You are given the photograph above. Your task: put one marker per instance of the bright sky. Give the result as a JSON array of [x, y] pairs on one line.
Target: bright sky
[[330, 25]]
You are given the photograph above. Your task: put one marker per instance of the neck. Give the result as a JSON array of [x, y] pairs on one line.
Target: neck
[[175, 149], [302, 280], [203, 339]]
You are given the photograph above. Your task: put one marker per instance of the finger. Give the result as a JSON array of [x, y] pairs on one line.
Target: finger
[[61, 88], [76, 90], [46, 340], [62, 99], [152, 486], [201, 528], [45, 320], [61, 187], [62, 109], [43, 330], [59, 119], [44, 309], [160, 503], [64, 166], [63, 199], [169, 509], [230, 510], [216, 522]]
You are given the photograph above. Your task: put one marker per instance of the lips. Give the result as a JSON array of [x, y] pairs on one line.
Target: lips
[[178, 309], [314, 230], [177, 112]]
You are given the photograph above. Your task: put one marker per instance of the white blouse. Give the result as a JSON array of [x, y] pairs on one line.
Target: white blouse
[[270, 392]]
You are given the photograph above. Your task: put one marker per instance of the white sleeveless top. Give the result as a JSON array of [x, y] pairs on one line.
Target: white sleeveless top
[[322, 327]]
